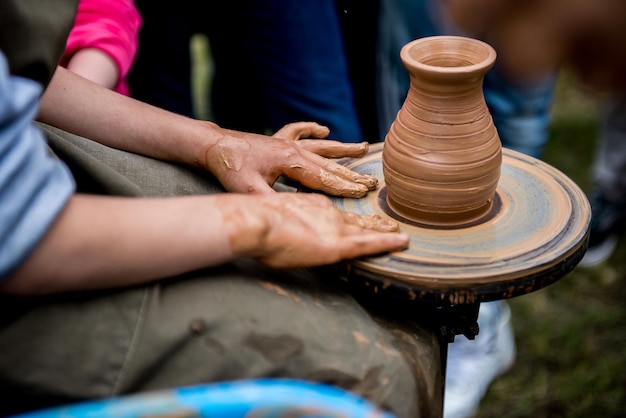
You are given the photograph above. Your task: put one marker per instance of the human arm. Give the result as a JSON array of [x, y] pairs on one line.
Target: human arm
[[106, 242], [242, 162], [103, 42], [95, 65]]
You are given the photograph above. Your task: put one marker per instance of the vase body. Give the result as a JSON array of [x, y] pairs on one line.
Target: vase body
[[442, 155]]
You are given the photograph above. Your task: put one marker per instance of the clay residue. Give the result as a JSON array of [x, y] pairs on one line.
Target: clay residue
[[374, 222], [386, 350], [360, 338], [279, 290], [341, 187], [231, 152], [368, 181], [330, 182]]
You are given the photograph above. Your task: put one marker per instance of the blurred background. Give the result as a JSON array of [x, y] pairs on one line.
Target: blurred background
[[571, 335]]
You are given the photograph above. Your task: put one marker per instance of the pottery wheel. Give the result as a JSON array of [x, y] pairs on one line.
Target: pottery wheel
[[536, 232]]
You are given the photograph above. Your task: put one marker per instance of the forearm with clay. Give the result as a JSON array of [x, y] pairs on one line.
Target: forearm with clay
[[108, 242], [242, 162]]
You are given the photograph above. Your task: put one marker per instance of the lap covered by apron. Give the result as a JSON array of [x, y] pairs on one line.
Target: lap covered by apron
[[239, 321]]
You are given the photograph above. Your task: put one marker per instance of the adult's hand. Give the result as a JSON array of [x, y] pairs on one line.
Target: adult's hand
[[250, 163]]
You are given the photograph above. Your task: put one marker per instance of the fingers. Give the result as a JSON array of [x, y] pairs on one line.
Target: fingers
[[240, 161], [327, 148], [315, 178], [374, 243], [330, 169], [297, 130], [319, 173], [371, 234], [306, 229], [334, 149], [373, 222]]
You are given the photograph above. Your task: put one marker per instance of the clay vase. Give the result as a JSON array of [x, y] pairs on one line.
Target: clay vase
[[442, 155]]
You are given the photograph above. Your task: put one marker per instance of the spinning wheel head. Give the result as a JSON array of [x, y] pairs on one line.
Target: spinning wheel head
[[535, 232]]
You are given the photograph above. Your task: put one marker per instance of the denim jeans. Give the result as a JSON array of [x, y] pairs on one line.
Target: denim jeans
[[275, 62]]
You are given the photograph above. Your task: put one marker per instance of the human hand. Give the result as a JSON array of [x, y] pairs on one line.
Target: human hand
[[251, 163], [326, 148], [294, 230]]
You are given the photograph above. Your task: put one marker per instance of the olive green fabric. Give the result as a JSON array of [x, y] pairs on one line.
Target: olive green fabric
[[241, 320], [33, 34]]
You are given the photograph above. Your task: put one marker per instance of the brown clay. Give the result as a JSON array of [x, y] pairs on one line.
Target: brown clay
[[442, 155], [484, 223], [535, 233]]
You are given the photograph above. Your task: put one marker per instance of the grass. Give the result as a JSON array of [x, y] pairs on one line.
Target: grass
[[570, 335]]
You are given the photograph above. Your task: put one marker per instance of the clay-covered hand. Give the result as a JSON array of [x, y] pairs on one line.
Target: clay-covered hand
[[251, 163], [289, 230], [300, 131]]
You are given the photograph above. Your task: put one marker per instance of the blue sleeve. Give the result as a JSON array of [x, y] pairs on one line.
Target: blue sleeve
[[520, 112], [34, 186]]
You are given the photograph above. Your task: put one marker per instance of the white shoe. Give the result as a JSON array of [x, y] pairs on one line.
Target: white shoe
[[473, 364], [600, 252]]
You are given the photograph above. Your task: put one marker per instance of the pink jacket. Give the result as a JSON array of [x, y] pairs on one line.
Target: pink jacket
[[111, 26]]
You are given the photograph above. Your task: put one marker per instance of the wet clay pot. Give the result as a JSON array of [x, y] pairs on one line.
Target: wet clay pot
[[442, 155]]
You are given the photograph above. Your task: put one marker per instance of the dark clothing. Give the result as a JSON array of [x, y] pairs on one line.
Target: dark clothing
[[33, 35], [274, 62]]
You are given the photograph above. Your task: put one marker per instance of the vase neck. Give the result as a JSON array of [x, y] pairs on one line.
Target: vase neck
[[451, 98]]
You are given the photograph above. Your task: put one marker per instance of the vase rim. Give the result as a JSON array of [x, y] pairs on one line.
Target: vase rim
[[485, 53]]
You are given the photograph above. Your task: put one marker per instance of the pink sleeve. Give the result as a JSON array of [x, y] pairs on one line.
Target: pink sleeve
[[109, 25]]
